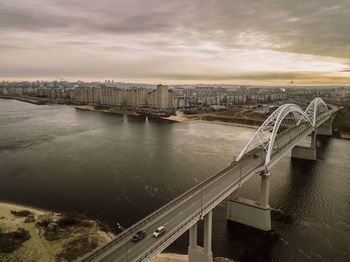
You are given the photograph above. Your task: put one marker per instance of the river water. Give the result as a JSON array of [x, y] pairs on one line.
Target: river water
[[120, 168]]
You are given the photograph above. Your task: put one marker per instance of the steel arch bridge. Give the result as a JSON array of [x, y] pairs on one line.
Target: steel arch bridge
[[265, 136], [316, 107], [280, 133]]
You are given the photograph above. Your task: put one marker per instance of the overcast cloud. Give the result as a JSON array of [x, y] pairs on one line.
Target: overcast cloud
[[155, 40]]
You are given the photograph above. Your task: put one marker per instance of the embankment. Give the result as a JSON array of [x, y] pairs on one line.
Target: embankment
[[40, 100], [236, 116], [28, 234], [341, 122]]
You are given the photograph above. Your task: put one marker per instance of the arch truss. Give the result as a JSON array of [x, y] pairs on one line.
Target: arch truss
[[266, 134], [316, 107]]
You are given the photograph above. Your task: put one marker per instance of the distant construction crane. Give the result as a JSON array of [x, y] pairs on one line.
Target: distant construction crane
[[291, 83]]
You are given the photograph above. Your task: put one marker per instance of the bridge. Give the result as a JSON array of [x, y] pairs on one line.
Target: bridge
[[282, 131]]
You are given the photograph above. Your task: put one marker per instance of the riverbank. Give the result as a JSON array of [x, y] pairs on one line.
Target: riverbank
[[233, 117], [30, 234], [341, 122], [164, 257], [25, 237], [204, 118], [106, 110], [183, 258], [178, 117], [40, 100]]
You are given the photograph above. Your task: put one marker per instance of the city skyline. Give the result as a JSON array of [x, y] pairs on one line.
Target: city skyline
[[177, 42]]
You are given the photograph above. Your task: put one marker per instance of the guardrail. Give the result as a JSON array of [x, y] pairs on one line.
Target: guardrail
[[207, 207], [166, 208]]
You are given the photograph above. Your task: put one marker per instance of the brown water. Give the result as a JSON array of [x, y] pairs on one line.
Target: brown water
[[120, 168]]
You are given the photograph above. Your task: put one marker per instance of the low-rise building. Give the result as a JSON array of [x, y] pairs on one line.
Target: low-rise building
[[261, 109]]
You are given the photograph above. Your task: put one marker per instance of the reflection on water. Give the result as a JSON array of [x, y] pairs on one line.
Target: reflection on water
[[121, 168]]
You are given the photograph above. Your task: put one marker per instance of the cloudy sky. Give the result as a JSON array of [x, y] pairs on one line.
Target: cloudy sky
[[177, 41]]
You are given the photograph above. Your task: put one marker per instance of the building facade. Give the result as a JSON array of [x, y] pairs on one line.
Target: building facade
[[161, 98]]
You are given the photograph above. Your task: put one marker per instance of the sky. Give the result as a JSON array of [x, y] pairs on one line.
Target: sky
[[177, 41]]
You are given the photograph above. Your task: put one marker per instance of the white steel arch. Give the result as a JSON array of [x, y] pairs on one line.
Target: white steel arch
[[311, 110], [266, 134]]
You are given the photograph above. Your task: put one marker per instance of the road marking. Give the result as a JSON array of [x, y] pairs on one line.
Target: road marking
[[167, 222], [129, 250], [180, 212]]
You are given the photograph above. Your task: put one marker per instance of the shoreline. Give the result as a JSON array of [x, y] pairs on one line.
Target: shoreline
[[41, 235], [27, 207], [170, 257], [105, 110], [37, 248], [180, 117]]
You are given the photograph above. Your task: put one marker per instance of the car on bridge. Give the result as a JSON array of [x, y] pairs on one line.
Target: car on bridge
[[138, 236], [159, 231]]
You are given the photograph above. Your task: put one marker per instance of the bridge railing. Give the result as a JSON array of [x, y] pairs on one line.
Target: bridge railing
[[164, 240], [203, 210], [166, 208]]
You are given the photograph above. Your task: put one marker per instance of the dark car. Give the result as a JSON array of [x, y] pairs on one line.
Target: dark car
[[138, 236]]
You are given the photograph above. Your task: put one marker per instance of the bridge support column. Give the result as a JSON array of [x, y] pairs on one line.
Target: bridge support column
[[305, 152], [249, 212], [195, 252], [326, 128]]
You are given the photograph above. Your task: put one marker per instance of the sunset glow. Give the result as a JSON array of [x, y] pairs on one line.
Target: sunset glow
[[238, 42]]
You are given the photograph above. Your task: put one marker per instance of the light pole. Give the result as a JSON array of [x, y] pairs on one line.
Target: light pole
[[126, 241], [196, 180]]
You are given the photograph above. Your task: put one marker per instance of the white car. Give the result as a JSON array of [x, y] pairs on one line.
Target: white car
[[159, 231]]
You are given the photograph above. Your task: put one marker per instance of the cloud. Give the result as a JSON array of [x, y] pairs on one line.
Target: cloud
[[172, 34], [257, 76]]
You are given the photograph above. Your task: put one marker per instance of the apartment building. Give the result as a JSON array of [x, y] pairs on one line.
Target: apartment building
[[160, 98]]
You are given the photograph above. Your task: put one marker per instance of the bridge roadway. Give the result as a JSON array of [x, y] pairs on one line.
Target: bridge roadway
[[183, 212]]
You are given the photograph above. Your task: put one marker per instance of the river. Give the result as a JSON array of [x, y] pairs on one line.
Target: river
[[120, 168]]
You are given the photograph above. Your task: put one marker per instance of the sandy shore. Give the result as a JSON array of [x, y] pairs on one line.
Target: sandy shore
[[181, 117], [182, 258], [6, 207], [106, 110], [170, 258], [39, 248], [72, 241]]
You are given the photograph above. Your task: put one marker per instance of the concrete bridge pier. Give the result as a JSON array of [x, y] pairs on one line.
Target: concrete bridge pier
[[249, 212], [195, 252], [306, 152], [326, 128]]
